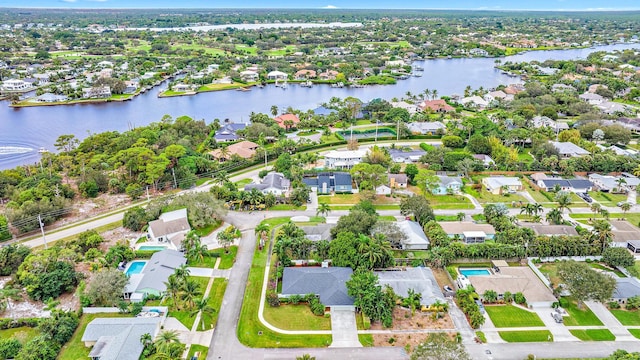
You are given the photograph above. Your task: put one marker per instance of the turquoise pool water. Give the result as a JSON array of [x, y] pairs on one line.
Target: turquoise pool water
[[152, 248], [474, 272], [135, 267]]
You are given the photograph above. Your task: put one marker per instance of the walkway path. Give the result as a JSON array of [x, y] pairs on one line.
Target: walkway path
[[610, 321], [343, 328], [559, 331], [474, 201]]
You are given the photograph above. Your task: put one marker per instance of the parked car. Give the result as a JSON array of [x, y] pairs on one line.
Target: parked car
[[585, 197]]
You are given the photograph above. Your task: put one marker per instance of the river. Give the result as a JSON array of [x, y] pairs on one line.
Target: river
[[24, 130]]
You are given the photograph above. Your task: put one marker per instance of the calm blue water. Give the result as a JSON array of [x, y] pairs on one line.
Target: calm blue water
[[23, 131], [366, 135], [474, 272], [135, 267], [152, 248]]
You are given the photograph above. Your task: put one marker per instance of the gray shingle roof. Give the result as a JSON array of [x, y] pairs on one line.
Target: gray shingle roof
[[157, 271], [626, 288], [328, 283], [272, 180], [119, 338], [572, 183]]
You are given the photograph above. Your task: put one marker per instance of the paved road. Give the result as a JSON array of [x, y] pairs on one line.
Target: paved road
[[573, 350]]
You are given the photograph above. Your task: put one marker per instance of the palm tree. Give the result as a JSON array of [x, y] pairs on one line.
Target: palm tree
[[221, 177], [165, 339], [625, 206], [461, 216], [602, 233], [323, 209], [305, 357], [198, 251], [181, 272], [413, 300], [146, 339], [190, 290], [620, 181], [605, 213], [261, 230], [537, 209], [202, 306], [274, 110], [173, 285], [636, 171], [555, 216], [564, 200], [596, 208]]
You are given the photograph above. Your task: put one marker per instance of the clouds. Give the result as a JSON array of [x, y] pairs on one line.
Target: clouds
[[330, 7]]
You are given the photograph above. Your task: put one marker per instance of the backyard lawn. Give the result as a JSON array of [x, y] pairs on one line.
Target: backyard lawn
[[526, 336], [295, 317], [486, 197], [593, 335], [512, 316], [22, 334], [75, 349], [250, 331], [578, 317], [627, 317]]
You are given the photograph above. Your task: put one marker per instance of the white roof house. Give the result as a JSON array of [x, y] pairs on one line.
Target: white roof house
[[474, 101], [500, 184], [15, 85], [426, 127], [593, 99], [277, 75], [415, 238], [569, 149], [344, 159], [412, 109]]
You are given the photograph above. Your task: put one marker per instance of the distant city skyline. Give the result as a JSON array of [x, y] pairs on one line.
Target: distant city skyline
[[555, 5]]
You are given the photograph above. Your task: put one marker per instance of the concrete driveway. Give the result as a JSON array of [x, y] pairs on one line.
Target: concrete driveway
[[343, 328]]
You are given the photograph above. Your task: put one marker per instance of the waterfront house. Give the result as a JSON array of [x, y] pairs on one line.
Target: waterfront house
[[273, 183], [406, 155], [277, 75], [427, 128], [328, 75], [284, 119], [437, 106], [475, 102], [96, 92], [343, 159], [305, 74], [569, 149], [414, 236], [498, 185], [171, 227], [323, 111], [181, 87], [448, 185], [119, 338], [151, 280], [249, 76], [15, 85], [130, 87], [228, 132], [244, 149], [326, 183], [493, 97], [50, 98]]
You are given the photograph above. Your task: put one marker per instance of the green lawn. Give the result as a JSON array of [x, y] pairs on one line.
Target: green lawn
[[215, 301], [184, 315], [251, 50], [75, 348], [605, 268], [485, 197], [228, 257], [288, 207], [204, 231], [203, 350], [608, 199], [593, 335], [633, 218], [295, 317], [366, 340], [220, 87], [635, 332], [243, 182], [329, 138], [449, 202], [512, 316], [22, 334], [210, 261], [627, 317], [526, 336], [551, 269], [578, 317], [250, 331]]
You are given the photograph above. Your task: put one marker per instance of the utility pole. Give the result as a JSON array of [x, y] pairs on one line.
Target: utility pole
[[175, 183], [265, 157], [148, 198], [398, 130], [44, 239]]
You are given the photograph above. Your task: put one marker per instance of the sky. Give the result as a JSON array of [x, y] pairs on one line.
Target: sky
[[585, 5]]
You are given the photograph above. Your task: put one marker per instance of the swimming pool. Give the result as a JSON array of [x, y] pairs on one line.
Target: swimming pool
[[135, 267], [152, 248], [474, 272]]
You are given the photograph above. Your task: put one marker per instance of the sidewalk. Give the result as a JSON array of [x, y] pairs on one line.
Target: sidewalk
[[610, 321]]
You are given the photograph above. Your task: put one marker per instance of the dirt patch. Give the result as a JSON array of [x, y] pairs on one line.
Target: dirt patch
[[27, 308], [441, 277], [402, 320], [406, 341]]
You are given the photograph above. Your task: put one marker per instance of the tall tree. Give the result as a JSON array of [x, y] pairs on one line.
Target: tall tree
[[585, 283]]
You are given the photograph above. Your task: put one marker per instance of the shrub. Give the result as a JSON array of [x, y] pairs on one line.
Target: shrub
[[519, 298], [9, 348], [295, 299], [136, 308], [317, 308], [272, 299], [613, 305]]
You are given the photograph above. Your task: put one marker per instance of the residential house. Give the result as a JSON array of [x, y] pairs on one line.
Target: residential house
[[43, 79], [394, 63], [329, 283], [608, 183], [318, 232], [569, 149], [326, 183], [437, 106], [612, 108], [96, 92], [406, 155], [344, 159], [418, 279], [130, 87], [619, 151], [625, 235], [155, 273], [119, 338], [626, 287], [498, 185], [562, 88], [181, 87], [228, 132], [50, 98], [398, 181], [475, 102], [414, 236], [277, 75], [411, 109], [323, 111], [486, 160], [591, 99], [283, 120], [468, 231], [494, 97], [15, 85], [383, 190], [573, 185], [427, 128], [273, 183], [543, 121], [514, 89], [448, 185], [105, 64], [328, 75], [244, 149], [171, 227], [305, 74], [249, 76]]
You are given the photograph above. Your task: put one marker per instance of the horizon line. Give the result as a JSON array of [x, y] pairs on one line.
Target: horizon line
[[320, 8]]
